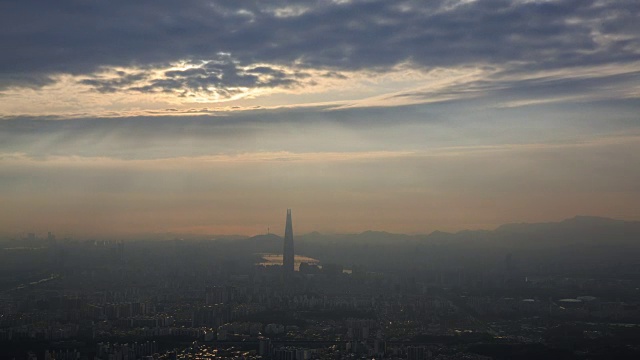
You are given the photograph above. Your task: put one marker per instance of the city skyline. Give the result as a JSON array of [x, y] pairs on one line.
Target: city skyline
[[524, 290], [205, 117], [465, 175]]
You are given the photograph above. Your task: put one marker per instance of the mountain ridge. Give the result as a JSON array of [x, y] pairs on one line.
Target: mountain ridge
[[578, 219]]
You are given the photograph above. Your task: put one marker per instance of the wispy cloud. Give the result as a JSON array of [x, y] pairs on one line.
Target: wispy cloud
[[418, 191], [235, 49]]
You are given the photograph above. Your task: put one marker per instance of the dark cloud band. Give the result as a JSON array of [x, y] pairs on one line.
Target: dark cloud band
[[42, 38]]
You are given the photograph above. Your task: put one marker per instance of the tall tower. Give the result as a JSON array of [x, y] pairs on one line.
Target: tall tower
[[287, 255]]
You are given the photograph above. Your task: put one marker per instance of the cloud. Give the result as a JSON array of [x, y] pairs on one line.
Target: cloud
[[418, 127], [475, 109], [602, 164], [339, 191], [115, 84], [223, 77], [506, 88], [32, 81], [82, 38]]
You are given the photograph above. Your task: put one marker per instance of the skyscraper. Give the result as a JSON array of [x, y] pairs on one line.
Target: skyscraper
[[287, 255]]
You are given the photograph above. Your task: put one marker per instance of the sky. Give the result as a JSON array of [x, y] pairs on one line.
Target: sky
[[214, 117]]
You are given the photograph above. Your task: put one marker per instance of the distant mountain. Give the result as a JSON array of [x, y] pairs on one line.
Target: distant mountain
[[588, 230], [265, 238], [575, 222], [266, 243], [579, 229], [368, 237], [574, 242]]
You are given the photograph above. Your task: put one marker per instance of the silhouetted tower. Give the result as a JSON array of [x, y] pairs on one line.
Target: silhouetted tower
[[287, 255]]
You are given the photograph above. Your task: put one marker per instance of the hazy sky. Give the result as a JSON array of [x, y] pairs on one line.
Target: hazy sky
[[120, 117]]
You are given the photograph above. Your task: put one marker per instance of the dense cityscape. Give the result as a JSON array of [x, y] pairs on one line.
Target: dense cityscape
[[461, 179], [218, 299]]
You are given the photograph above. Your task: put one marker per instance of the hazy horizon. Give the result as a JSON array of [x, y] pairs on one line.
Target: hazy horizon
[[277, 232]]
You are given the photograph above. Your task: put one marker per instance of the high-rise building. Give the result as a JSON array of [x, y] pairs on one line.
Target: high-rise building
[[287, 255]]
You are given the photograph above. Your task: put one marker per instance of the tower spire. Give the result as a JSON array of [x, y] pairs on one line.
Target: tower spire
[[288, 254]]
